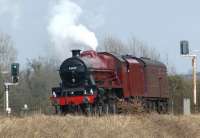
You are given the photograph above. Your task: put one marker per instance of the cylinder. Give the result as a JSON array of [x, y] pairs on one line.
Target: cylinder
[[76, 52]]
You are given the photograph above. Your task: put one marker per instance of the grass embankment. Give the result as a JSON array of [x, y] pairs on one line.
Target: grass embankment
[[144, 126]]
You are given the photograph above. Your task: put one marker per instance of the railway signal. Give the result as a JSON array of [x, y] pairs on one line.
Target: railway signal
[[15, 72], [184, 45], [15, 79], [184, 50]]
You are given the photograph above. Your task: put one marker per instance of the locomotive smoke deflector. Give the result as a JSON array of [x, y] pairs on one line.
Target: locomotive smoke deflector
[[76, 52]]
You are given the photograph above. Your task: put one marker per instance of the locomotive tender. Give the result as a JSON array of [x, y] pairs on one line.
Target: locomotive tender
[[95, 82]]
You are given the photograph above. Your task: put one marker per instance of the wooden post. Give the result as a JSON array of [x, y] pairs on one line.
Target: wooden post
[[194, 65]]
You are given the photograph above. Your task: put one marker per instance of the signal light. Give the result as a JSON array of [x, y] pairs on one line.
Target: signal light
[[15, 72], [184, 47]]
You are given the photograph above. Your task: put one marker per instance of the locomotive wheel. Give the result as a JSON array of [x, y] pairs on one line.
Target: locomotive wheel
[[106, 108], [62, 110], [110, 108], [160, 107], [97, 110], [148, 106], [56, 109], [100, 110], [113, 108], [163, 107], [166, 107], [151, 106], [88, 110]]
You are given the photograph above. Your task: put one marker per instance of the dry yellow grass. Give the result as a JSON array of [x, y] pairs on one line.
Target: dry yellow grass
[[130, 126]]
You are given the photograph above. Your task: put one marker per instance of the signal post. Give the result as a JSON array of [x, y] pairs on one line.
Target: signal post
[[194, 66], [184, 48], [7, 85], [15, 78]]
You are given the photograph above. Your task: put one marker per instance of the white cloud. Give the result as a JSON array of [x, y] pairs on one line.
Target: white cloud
[[10, 8]]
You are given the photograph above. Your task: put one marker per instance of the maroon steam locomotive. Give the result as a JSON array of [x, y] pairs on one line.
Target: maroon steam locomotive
[[96, 82]]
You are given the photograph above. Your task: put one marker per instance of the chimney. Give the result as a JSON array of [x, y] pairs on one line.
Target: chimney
[[76, 52]]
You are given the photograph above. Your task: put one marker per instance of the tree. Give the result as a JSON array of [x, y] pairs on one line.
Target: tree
[[133, 47], [140, 49], [176, 88], [113, 45], [8, 53], [35, 85]]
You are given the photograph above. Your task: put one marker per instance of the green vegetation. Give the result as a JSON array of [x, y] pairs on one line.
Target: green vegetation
[[180, 88]]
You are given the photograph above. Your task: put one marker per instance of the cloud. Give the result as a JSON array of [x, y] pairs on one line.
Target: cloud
[[12, 9]]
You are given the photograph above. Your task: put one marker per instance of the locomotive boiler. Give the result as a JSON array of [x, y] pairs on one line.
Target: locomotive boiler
[[102, 82]]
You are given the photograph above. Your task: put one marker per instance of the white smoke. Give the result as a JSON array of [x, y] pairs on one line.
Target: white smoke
[[64, 28]]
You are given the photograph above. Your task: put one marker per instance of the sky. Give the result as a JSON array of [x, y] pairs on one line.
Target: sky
[[159, 23]]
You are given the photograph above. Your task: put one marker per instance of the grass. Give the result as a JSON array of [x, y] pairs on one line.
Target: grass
[[129, 126]]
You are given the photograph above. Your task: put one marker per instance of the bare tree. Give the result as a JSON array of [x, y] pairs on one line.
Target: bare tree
[[8, 53], [34, 88], [140, 49], [7, 56], [133, 47], [113, 45]]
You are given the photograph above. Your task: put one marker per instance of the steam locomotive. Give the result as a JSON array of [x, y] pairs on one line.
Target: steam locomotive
[[102, 82]]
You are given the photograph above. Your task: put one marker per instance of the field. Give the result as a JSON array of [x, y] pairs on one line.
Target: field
[[129, 126]]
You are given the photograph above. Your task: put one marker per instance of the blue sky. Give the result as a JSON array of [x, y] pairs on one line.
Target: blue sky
[[161, 24]]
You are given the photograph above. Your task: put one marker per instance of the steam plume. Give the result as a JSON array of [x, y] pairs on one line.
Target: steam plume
[[65, 30]]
